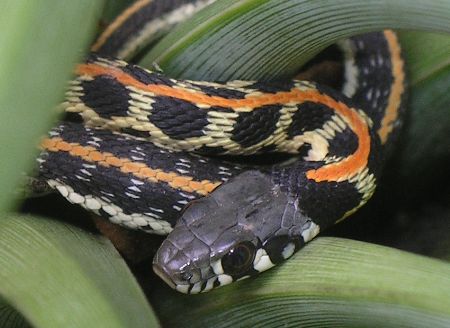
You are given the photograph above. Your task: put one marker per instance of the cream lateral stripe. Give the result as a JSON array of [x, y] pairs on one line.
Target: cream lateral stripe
[[158, 24], [351, 71], [94, 204]]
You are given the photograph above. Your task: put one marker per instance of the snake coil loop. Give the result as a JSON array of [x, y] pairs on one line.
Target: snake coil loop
[[129, 162]]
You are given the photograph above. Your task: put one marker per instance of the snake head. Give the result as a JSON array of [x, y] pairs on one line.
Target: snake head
[[242, 228]]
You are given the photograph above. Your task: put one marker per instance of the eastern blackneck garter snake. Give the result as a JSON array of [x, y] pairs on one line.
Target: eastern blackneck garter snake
[[129, 162]]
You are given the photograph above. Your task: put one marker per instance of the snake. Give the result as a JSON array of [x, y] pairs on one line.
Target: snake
[[145, 151]]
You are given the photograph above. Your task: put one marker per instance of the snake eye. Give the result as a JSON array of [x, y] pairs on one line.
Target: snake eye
[[239, 259]]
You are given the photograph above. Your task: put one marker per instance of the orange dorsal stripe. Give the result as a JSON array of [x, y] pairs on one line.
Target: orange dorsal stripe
[[295, 96], [397, 88], [125, 165], [332, 172]]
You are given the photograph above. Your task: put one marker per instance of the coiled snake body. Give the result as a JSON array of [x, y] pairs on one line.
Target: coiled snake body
[[129, 161]]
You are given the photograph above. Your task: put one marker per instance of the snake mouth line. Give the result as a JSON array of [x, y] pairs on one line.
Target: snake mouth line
[[160, 272]]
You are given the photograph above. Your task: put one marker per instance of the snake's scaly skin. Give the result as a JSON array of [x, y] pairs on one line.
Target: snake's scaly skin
[[128, 162]]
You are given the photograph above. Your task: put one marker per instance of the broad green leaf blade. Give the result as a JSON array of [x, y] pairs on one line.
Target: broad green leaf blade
[[425, 154], [426, 54], [330, 283], [40, 44], [253, 39], [57, 275], [113, 8], [10, 318]]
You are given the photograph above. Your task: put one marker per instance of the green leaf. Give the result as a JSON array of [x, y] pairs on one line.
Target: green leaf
[[40, 44], [113, 8], [426, 54], [10, 318], [57, 275], [253, 39], [332, 282], [424, 153]]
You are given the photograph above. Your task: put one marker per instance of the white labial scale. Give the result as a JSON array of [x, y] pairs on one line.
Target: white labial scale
[[209, 284], [217, 267], [243, 277], [262, 261], [312, 231], [196, 288], [182, 288], [224, 279], [288, 250]]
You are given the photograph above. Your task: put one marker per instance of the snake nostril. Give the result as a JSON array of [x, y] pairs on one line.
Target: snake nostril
[[186, 276]]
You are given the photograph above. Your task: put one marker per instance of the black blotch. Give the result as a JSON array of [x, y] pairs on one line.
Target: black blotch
[[177, 118], [269, 148], [73, 117], [205, 150], [377, 156], [303, 151], [137, 133], [308, 117], [261, 160], [272, 86], [374, 79], [106, 96], [221, 109], [343, 144], [325, 202], [332, 93], [255, 126], [147, 77], [220, 92], [73, 132]]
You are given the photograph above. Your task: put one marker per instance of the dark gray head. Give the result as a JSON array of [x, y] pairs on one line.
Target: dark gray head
[[244, 227]]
